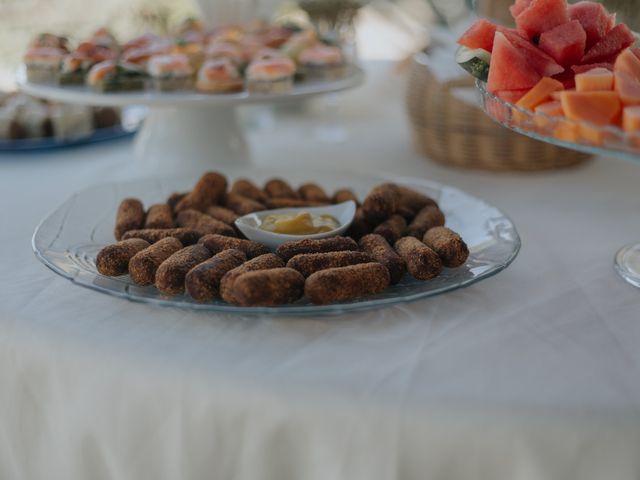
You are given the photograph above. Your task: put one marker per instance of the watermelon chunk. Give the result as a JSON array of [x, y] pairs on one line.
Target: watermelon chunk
[[541, 16], [565, 43], [608, 48], [509, 68], [519, 7], [479, 35], [540, 61], [585, 68], [593, 17]]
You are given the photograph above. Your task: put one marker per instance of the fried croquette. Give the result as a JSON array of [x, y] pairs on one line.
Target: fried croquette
[[113, 260], [449, 246], [209, 190], [144, 264], [422, 262], [172, 272], [346, 283], [382, 252], [266, 288], [152, 235], [130, 216], [308, 263], [333, 244], [218, 243], [203, 281]]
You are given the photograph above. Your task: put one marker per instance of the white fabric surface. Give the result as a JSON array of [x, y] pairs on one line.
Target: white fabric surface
[[532, 374]]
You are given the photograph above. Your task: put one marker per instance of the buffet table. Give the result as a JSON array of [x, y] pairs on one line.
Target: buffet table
[[532, 374]]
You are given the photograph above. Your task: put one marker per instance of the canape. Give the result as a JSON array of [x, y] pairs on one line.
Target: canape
[[43, 64], [227, 50], [138, 56], [275, 37], [219, 76], [104, 38], [226, 33], [170, 72], [273, 75], [109, 76], [322, 62], [193, 50], [298, 42], [50, 40], [268, 53], [74, 68]]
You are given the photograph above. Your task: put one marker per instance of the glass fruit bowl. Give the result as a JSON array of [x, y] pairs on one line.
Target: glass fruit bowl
[[582, 136], [561, 131]]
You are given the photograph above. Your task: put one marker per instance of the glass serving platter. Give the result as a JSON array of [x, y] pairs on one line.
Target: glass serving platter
[[68, 240], [582, 136]]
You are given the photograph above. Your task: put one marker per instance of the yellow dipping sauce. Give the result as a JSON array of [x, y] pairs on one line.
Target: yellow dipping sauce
[[303, 223]]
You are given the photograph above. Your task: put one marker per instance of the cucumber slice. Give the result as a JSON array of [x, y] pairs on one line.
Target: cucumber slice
[[475, 61]]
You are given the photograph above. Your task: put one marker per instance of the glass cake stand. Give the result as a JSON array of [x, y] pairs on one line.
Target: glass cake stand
[[188, 132], [581, 136]]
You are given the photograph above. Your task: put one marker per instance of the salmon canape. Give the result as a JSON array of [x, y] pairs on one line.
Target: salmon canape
[[110, 76], [170, 72], [226, 33], [250, 45], [77, 64], [299, 42], [193, 50], [268, 53], [272, 75], [276, 37], [219, 76], [322, 62], [43, 64], [74, 68], [142, 41], [51, 41], [138, 56], [228, 50], [104, 38]]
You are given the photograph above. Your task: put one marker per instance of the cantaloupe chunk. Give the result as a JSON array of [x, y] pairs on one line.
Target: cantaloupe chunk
[[598, 79], [631, 124], [552, 108], [627, 62], [594, 135], [558, 95], [599, 108], [540, 93], [567, 131], [627, 88], [631, 119]]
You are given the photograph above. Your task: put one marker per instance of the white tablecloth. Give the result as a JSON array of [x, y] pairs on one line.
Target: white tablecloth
[[532, 374]]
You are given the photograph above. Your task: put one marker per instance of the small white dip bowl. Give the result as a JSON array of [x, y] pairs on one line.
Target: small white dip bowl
[[249, 224]]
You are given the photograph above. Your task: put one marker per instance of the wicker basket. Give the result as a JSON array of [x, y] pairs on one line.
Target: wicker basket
[[449, 131]]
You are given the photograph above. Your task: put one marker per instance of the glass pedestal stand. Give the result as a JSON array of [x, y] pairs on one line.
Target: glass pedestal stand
[[189, 132]]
